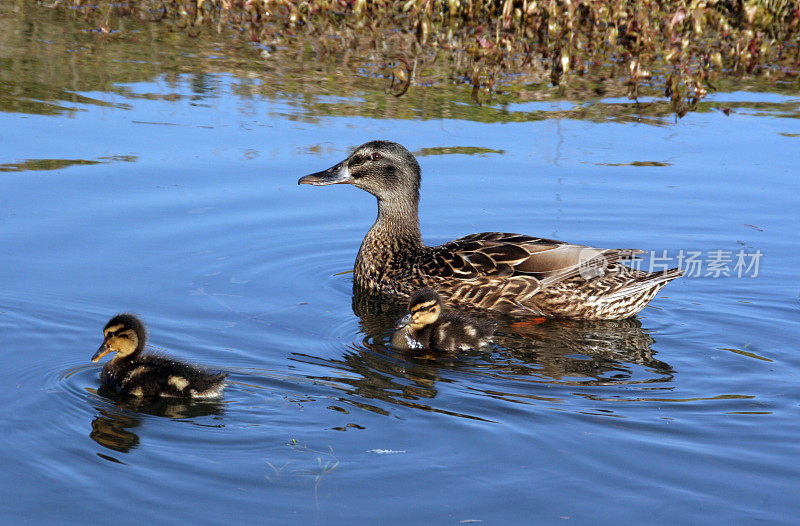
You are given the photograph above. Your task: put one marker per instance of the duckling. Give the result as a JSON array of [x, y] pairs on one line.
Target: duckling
[[511, 274], [428, 326], [145, 375]]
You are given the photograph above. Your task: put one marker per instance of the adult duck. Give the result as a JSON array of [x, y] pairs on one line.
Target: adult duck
[[511, 274]]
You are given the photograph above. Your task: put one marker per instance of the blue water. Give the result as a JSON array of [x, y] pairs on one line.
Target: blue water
[[190, 215]]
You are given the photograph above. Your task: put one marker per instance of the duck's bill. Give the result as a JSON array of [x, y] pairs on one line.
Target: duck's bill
[[334, 175], [402, 322], [102, 351]]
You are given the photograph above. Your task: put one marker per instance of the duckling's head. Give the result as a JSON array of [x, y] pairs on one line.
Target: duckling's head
[[124, 334], [424, 308], [384, 169]]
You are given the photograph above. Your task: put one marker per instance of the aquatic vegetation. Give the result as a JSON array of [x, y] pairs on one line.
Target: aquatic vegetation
[[666, 52], [326, 462], [58, 164]]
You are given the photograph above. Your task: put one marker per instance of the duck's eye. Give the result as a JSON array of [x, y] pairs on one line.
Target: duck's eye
[[376, 156]]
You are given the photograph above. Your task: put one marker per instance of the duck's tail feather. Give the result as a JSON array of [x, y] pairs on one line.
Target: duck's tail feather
[[653, 281]]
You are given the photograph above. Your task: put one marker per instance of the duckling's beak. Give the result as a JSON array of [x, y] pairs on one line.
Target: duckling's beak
[[102, 351], [402, 322], [334, 175]]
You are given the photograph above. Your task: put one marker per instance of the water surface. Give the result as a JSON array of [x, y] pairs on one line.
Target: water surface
[[169, 189]]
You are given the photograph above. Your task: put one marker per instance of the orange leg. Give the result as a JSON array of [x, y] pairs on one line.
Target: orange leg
[[528, 323]]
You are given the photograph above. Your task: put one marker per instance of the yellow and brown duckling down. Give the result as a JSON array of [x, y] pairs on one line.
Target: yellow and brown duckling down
[[427, 326], [512, 274], [147, 375]]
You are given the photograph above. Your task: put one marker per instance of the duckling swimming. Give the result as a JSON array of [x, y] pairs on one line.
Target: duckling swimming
[[512, 274], [145, 375], [427, 326]]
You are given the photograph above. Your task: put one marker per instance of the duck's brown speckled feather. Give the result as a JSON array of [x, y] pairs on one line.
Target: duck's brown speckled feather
[[516, 275]]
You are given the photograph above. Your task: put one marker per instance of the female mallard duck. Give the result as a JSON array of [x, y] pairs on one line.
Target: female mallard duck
[[509, 273], [427, 326], [145, 375]]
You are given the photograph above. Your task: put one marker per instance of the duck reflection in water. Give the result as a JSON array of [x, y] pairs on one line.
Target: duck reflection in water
[[556, 352], [118, 414]]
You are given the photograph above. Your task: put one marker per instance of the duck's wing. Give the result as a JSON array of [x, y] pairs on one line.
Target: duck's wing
[[532, 262]]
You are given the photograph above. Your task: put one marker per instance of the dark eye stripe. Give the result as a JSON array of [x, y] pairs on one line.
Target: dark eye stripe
[[358, 160]]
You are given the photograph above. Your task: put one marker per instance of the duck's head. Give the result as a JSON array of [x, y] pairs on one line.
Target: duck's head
[[424, 308], [384, 169], [124, 334]]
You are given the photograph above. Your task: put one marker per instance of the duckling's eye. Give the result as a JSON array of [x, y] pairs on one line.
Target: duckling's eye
[[376, 156]]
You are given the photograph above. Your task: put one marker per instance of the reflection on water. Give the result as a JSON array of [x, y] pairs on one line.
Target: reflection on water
[[556, 352], [53, 55], [58, 164], [112, 427], [588, 352]]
